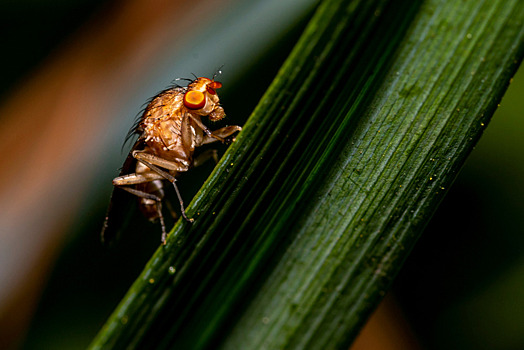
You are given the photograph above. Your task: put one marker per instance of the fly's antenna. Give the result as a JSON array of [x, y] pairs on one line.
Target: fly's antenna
[[218, 72]]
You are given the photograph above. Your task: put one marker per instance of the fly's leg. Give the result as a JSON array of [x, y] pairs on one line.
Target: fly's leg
[[205, 128], [217, 135], [179, 165], [135, 179], [121, 183], [125, 181], [148, 159], [199, 160], [162, 223], [158, 200], [140, 194], [221, 134]]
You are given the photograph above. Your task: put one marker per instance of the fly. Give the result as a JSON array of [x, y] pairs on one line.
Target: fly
[[169, 131]]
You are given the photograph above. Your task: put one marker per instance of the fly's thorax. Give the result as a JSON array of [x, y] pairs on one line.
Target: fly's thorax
[[162, 118], [166, 131], [168, 104]]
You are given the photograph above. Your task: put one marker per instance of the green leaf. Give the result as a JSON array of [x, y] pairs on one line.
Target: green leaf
[[305, 222]]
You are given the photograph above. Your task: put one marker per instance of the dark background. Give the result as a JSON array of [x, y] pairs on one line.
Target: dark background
[[462, 287]]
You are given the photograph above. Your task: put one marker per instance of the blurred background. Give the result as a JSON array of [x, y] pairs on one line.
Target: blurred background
[[76, 75]]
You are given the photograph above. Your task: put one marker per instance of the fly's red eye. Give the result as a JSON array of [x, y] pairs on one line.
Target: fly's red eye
[[215, 85], [211, 87], [194, 100]]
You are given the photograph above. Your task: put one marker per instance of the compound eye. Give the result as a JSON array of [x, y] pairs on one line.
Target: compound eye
[[194, 100], [211, 87]]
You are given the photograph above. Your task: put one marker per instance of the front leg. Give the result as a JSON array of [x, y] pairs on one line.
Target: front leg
[[204, 128], [221, 134], [217, 135]]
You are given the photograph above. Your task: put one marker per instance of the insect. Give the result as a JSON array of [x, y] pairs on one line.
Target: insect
[[169, 130]]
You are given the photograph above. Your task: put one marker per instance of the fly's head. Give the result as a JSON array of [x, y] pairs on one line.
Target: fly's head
[[201, 98]]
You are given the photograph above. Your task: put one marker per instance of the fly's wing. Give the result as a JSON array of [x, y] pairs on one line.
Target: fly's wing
[[122, 205]]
